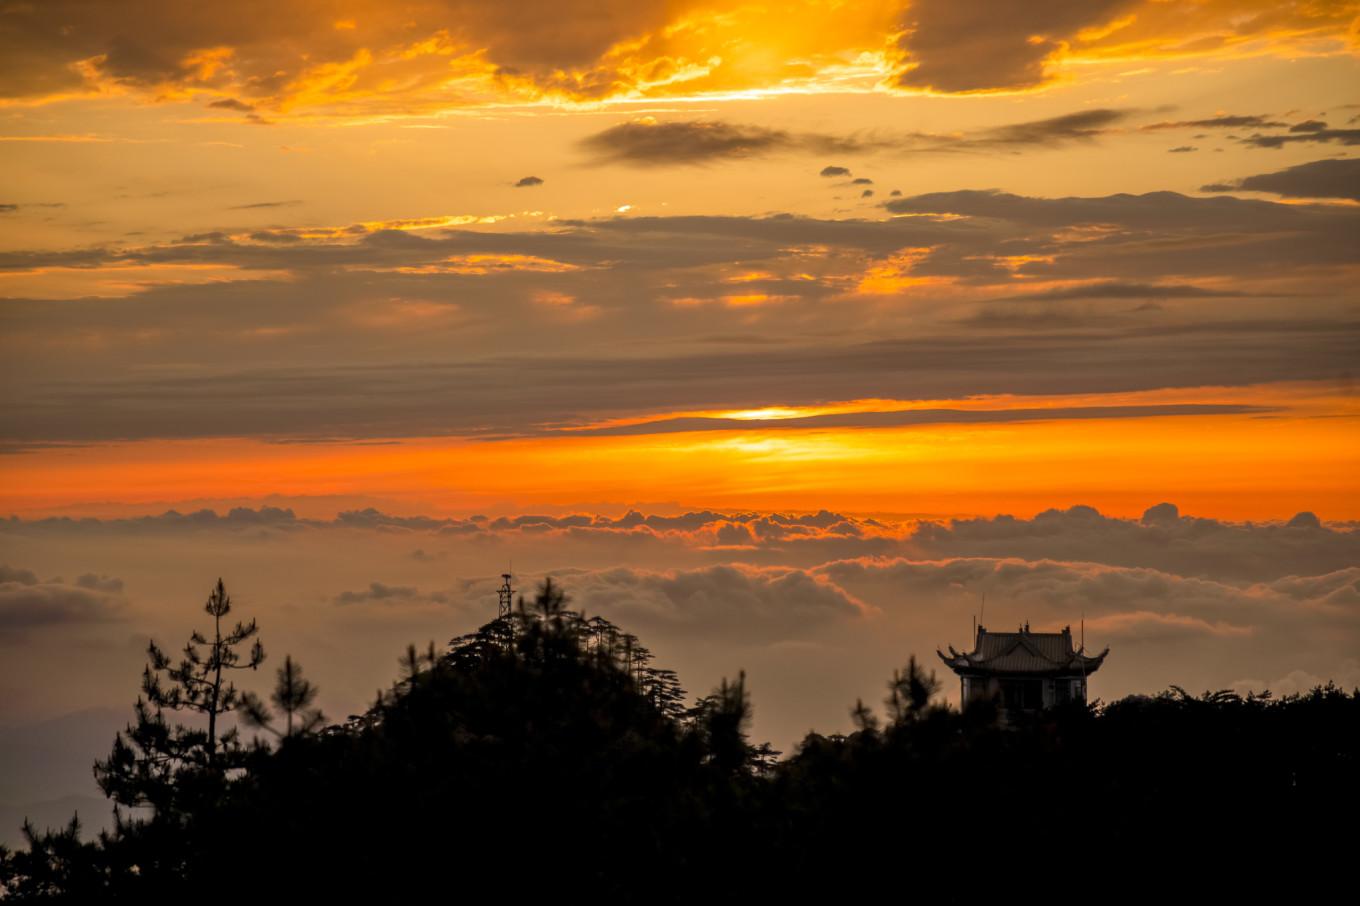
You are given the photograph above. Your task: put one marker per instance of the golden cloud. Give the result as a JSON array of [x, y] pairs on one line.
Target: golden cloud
[[348, 58]]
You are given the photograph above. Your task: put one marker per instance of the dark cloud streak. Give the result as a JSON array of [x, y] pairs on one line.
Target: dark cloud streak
[[647, 143], [1340, 136], [438, 398], [1116, 290], [918, 417], [1317, 179], [292, 203], [1220, 122]]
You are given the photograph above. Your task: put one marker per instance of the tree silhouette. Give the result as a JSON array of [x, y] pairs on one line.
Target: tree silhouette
[[147, 757], [542, 755], [293, 696], [910, 692], [722, 719], [57, 865]]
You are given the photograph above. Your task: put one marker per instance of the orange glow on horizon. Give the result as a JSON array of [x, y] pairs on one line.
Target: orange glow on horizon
[[1224, 466], [1301, 399]]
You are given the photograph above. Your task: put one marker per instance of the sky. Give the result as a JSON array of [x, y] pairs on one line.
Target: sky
[[783, 334]]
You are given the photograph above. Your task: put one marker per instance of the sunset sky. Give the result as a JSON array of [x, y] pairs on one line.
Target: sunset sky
[[784, 332]]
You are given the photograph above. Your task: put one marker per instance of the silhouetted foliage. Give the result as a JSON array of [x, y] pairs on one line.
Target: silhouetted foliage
[[293, 696], [544, 755], [147, 760], [722, 720], [56, 865]]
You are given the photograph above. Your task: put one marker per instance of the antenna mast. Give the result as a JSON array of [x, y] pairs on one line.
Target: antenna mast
[[504, 596]]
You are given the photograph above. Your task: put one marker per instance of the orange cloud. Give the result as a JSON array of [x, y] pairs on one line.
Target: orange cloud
[[480, 265], [894, 274], [118, 280], [1144, 622], [1008, 45], [404, 314], [355, 58], [565, 307]]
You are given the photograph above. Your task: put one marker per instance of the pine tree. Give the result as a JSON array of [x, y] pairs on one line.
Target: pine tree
[[57, 865], [293, 696], [910, 692], [722, 720], [144, 766]]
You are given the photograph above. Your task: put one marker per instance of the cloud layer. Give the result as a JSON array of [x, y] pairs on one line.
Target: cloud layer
[[1162, 540], [728, 306], [26, 602], [1317, 179], [341, 57], [817, 606], [648, 142]]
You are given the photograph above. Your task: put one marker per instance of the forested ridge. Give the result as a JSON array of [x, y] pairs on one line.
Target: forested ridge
[[546, 754]]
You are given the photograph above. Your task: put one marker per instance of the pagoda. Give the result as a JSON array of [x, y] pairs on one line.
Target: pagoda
[[1023, 671]]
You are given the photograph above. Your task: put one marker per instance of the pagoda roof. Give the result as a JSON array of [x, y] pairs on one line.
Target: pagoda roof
[[1035, 653]]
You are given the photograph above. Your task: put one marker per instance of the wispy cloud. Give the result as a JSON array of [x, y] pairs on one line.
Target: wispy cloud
[[292, 203]]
